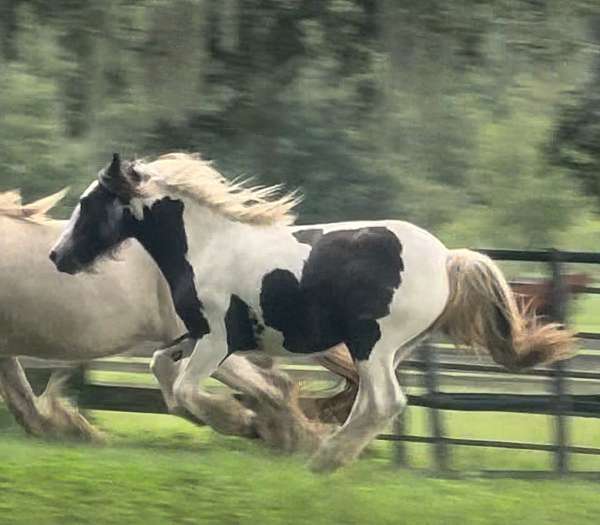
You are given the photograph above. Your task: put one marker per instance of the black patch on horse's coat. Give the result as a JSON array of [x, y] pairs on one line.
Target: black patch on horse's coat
[[309, 236], [239, 326], [347, 283], [361, 338], [356, 271], [162, 234], [305, 326]]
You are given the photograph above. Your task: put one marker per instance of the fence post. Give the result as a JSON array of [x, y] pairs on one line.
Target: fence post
[[430, 376], [76, 383], [558, 385]]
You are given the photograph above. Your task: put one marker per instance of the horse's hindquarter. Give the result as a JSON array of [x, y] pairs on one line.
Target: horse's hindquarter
[[45, 313], [423, 291]]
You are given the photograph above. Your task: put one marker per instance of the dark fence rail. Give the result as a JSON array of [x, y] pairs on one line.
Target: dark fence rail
[[548, 256]]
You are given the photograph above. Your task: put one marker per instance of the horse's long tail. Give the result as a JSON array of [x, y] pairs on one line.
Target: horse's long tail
[[482, 313]]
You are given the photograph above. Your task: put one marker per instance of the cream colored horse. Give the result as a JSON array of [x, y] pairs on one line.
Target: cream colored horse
[[50, 315]]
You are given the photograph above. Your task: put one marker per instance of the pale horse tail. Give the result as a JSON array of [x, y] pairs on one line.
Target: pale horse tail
[[482, 313]]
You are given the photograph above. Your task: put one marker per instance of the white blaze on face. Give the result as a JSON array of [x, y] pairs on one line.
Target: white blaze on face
[[67, 232]]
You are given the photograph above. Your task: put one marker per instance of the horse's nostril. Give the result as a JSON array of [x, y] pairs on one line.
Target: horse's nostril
[[53, 256]]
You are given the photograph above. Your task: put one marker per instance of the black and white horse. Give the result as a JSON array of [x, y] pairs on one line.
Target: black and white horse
[[243, 279]]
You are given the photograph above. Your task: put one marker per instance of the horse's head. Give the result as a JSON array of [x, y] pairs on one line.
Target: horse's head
[[102, 220]]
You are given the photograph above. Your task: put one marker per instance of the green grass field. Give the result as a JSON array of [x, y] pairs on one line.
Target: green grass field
[[159, 469]]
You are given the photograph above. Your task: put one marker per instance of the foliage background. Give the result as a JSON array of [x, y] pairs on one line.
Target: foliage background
[[477, 119]]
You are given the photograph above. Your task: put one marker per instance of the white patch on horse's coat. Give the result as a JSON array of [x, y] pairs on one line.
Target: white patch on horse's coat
[[232, 258], [137, 205]]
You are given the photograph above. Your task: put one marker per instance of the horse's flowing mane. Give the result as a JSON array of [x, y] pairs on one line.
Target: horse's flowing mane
[[12, 206], [192, 176]]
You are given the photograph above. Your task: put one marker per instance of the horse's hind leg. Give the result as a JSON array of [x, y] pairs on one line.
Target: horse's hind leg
[[268, 407], [379, 399], [335, 409], [274, 399]]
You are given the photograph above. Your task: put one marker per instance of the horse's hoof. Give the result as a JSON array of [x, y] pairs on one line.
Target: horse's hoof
[[325, 463]]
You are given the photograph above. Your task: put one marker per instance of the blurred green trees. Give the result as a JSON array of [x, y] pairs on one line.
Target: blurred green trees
[[448, 114]]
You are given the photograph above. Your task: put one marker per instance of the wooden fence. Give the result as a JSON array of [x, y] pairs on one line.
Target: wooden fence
[[434, 366]]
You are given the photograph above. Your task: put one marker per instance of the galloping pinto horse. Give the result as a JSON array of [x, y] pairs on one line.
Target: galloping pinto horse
[[243, 279]]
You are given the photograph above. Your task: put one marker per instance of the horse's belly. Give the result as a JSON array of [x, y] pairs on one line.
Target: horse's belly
[[273, 342], [78, 344]]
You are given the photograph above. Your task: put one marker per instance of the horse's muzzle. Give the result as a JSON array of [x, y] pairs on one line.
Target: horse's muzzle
[[64, 264]]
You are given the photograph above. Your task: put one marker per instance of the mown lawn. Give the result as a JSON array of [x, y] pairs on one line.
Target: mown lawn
[[158, 469]]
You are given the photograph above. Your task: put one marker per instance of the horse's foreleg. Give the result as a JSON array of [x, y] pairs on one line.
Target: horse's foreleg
[[274, 398], [239, 374], [166, 365], [65, 419], [44, 415], [270, 394], [222, 412], [19, 397]]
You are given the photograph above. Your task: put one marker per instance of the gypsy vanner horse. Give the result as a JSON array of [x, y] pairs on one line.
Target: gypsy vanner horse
[[242, 279]]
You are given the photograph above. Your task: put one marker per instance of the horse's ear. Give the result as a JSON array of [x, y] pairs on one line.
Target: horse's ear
[[114, 177], [114, 170]]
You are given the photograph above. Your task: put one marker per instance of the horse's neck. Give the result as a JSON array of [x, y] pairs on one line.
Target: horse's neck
[[206, 229], [238, 255]]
